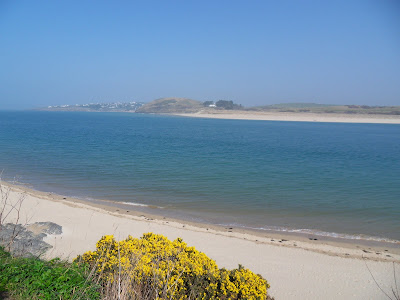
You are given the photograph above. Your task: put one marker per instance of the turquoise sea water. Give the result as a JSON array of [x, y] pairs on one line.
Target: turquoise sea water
[[327, 178]]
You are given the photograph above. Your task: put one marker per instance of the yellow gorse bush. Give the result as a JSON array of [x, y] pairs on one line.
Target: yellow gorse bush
[[164, 269]]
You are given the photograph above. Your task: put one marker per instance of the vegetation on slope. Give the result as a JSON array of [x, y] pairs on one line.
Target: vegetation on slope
[[171, 105], [33, 278], [183, 105], [331, 109], [150, 267], [153, 267]]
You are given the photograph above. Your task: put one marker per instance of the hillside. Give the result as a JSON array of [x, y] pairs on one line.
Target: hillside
[[330, 109], [171, 105], [186, 106]]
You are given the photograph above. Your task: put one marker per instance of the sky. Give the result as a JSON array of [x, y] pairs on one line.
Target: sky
[[251, 52]]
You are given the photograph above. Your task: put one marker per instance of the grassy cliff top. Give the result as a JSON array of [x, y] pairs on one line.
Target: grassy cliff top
[[171, 105], [325, 108]]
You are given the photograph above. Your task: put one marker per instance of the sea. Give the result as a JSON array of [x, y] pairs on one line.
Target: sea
[[329, 179]]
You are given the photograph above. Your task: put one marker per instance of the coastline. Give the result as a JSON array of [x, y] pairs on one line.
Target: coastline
[[328, 245], [294, 117], [281, 258]]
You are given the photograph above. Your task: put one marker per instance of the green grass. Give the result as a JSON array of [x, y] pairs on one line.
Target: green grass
[[333, 109], [33, 278]]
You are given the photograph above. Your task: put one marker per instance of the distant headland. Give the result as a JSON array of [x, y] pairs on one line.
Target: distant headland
[[99, 107], [186, 105], [227, 109]]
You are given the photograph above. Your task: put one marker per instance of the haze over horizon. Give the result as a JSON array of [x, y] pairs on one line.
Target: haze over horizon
[[254, 53]]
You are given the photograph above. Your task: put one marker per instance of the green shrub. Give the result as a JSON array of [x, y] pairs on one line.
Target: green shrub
[[33, 278], [155, 267]]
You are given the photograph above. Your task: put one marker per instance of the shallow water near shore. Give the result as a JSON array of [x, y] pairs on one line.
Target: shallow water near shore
[[333, 179]]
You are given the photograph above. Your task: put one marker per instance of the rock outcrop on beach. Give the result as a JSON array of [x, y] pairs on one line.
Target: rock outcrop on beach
[[27, 241]]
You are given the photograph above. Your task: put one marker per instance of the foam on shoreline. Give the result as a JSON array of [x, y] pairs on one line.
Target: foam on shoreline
[[311, 240], [314, 232], [159, 212]]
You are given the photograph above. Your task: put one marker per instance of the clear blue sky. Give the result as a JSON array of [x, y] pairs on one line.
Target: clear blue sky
[[251, 52]]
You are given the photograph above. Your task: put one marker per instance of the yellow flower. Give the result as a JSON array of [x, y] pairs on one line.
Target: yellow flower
[[171, 269]]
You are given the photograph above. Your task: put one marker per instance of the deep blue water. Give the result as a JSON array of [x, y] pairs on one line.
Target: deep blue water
[[328, 177]]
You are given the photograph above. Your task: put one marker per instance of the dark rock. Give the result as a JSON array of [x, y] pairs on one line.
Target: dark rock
[[27, 241], [45, 227]]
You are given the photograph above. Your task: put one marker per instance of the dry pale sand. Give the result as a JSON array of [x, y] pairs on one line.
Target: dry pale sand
[[300, 117], [296, 269]]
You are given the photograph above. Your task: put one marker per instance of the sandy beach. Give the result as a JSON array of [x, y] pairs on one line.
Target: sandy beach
[[299, 117], [296, 267]]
